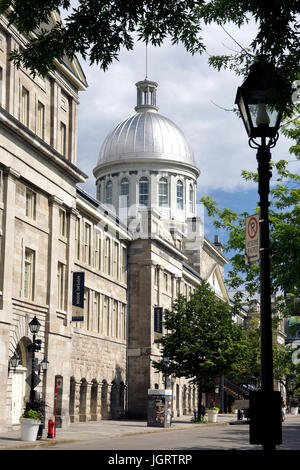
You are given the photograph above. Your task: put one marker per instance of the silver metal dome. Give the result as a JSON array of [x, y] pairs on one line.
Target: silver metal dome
[[146, 134]]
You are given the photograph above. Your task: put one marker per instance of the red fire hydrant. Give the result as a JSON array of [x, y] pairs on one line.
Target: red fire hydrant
[[50, 429]]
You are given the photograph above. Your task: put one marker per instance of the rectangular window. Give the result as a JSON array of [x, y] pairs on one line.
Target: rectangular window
[[124, 265], [77, 238], [116, 260], [63, 139], [114, 321], [87, 243], [62, 222], [96, 322], [98, 250], [29, 263], [122, 321], [24, 115], [40, 125], [166, 278], [30, 204], [61, 286], [107, 268], [86, 322], [105, 315]]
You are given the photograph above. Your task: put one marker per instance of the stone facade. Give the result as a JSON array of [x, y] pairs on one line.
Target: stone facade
[[100, 367]]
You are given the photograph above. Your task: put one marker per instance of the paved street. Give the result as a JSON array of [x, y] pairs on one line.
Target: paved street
[[125, 435], [198, 438]]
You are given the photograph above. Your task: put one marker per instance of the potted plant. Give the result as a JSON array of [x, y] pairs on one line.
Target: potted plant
[[30, 423], [294, 407], [32, 420], [212, 412]]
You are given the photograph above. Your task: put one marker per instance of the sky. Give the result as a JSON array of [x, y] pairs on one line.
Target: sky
[[195, 97]]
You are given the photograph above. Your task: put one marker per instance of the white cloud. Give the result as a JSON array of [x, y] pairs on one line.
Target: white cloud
[[190, 93]]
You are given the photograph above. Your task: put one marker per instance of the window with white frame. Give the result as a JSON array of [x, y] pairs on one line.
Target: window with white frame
[[98, 250], [179, 195], [122, 321], [96, 312], [108, 193], [29, 273], [105, 315], [24, 111], [30, 197], [107, 256], [77, 238], [144, 192], [62, 222], [124, 190], [87, 243], [191, 198], [63, 139], [124, 264], [86, 321], [40, 120], [116, 260], [114, 320], [60, 286], [163, 190]]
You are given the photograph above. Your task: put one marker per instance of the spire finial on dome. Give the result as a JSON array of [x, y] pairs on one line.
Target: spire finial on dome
[[146, 96]]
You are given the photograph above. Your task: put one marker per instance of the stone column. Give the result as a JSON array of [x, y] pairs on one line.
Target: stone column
[[71, 250], [77, 401], [54, 203], [6, 288]]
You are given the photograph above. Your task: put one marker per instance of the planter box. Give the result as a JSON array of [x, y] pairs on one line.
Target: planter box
[[294, 410], [212, 416], [29, 429]]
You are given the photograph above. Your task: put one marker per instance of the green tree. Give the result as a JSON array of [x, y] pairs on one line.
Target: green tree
[[202, 340], [284, 218], [98, 29]]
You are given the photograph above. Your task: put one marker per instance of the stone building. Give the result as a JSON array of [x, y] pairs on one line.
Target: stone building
[[139, 244]]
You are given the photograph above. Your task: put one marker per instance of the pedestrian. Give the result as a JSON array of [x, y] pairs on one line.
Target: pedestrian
[[202, 411], [283, 409]]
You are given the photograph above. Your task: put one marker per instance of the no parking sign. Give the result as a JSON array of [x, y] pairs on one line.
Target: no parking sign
[[252, 239]]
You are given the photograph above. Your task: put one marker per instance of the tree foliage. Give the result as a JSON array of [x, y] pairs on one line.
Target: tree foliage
[[284, 218], [202, 340], [98, 29]]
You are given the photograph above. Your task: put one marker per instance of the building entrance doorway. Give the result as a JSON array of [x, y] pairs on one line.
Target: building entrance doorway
[[19, 387], [18, 394]]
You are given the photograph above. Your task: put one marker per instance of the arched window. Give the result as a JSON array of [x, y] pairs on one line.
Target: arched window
[[179, 195], [108, 193], [124, 189], [144, 192], [191, 198], [163, 197]]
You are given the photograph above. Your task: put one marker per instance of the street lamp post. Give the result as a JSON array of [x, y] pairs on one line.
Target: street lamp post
[[34, 327], [262, 121]]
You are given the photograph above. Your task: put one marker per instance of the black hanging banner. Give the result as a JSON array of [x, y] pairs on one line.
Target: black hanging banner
[[78, 297]]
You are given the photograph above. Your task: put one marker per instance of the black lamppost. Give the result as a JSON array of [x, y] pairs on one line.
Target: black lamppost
[[262, 122], [34, 327]]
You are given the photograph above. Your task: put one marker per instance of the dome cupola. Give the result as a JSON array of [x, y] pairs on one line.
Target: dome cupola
[[147, 161]]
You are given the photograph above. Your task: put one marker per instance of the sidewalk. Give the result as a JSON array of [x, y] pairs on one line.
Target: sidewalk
[[100, 430]]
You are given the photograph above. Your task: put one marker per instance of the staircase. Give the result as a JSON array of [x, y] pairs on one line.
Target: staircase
[[235, 391]]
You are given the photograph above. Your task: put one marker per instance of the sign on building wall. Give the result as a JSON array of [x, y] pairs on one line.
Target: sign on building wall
[[158, 319], [78, 297], [252, 239]]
